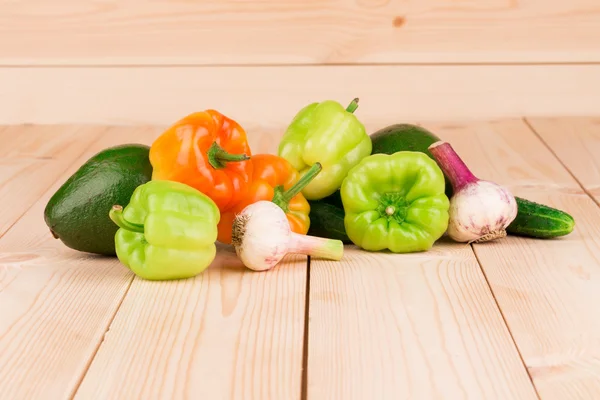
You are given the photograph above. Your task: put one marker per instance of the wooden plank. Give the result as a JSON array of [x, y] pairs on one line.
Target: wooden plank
[[227, 333], [576, 141], [544, 287], [412, 326], [44, 142], [496, 148], [417, 326], [299, 32], [31, 159], [55, 303], [261, 95]]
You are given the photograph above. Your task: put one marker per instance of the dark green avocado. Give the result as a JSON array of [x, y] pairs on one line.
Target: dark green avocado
[[77, 213], [405, 137]]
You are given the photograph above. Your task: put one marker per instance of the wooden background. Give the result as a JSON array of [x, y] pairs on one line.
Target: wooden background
[[150, 62], [515, 319]]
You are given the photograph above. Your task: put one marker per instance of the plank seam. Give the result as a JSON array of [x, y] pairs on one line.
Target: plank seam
[[49, 186], [304, 380], [541, 139], [283, 65], [101, 342], [506, 324], [543, 142]]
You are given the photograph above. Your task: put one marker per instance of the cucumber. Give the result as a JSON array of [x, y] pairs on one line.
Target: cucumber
[[540, 221], [327, 219], [533, 219]]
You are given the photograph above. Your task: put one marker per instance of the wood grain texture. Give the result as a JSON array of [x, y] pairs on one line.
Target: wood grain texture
[[381, 326], [543, 287], [576, 141], [31, 159], [269, 97], [30, 142], [506, 151], [298, 32], [55, 303], [410, 326], [226, 334]]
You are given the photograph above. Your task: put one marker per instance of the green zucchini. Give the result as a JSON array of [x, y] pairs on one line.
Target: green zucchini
[[540, 221], [327, 219]]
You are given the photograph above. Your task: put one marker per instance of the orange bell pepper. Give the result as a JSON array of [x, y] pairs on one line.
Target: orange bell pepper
[[207, 151], [274, 179]]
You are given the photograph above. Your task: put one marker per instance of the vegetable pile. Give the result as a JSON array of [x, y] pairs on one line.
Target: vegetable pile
[[399, 189]]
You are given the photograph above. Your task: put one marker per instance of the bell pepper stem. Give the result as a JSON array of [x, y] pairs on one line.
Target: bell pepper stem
[[116, 215], [219, 157], [303, 181], [282, 198], [352, 106], [328, 249]]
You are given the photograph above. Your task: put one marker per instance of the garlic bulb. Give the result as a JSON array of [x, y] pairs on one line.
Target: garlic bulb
[[480, 210], [261, 236]]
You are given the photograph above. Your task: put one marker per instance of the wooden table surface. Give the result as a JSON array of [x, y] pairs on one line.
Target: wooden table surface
[[512, 319]]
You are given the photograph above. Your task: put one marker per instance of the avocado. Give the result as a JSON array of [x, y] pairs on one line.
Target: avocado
[[405, 137], [77, 213]]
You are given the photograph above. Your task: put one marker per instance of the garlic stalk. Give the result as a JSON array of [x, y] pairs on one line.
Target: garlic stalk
[[261, 236], [480, 210]]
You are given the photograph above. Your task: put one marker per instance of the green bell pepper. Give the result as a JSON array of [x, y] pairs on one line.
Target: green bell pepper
[[327, 133], [395, 202], [167, 231]]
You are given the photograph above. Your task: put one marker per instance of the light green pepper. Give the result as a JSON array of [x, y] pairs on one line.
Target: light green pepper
[[167, 231], [395, 202], [327, 133]]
